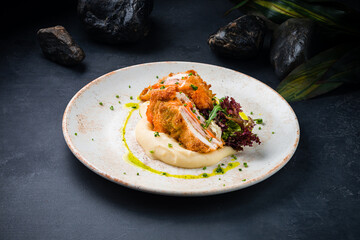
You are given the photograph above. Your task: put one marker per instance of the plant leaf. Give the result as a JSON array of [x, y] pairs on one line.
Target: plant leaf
[[334, 16], [322, 73], [239, 5]]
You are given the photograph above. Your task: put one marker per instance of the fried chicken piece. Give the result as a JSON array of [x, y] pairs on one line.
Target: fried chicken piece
[[188, 82], [168, 113]]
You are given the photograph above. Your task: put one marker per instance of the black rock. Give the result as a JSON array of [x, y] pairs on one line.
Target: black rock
[[58, 46], [290, 45], [116, 21], [241, 38]]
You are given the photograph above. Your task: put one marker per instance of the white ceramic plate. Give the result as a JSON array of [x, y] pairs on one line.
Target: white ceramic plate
[[98, 142]]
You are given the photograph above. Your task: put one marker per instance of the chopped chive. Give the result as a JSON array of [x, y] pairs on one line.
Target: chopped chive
[[194, 87], [191, 74], [134, 107], [193, 110], [157, 76], [244, 180], [124, 173], [75, 134], [234, 157], [272, 132], [129, 86], [182, 77], [219, 169], [177, 83], [92, 139], [138, 174], [151, 151], [185, 104], [170, 145], [111, 107], [251, 113], [119, 102], [204, 168], [224, 185], [219, 178], [164, 173], [258, 121], [210, 139], [131, 97], [162, 87], [230, 164], [240, 169], [259, 128], [117, 96], [198, 117], [204, 175], [156, 134], [245, 164], [180, 144], [101, 104], [162, 82]]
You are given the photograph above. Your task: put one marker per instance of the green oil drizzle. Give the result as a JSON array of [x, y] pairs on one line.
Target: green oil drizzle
[[129, 156]]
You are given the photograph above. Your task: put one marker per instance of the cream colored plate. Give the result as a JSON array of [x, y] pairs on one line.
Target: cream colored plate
[[98, 144]]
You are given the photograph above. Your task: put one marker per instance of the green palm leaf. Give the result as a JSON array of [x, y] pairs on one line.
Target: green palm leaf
[[332, 15], [322, 73]]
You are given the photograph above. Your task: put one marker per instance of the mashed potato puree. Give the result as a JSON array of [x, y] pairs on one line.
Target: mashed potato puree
[[175, 154]]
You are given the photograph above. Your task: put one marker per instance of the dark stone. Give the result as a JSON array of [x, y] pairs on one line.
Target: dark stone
[[116, 21], [241, 38], [58, 46], [290, 45]]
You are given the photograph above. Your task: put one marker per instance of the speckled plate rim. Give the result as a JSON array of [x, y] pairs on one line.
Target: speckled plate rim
[[154, 190]]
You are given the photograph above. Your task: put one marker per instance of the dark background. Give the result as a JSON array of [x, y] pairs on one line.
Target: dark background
[[46, 193]]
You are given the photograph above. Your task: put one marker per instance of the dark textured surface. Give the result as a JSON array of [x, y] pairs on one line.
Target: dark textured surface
[[116, 21], [46, 193], [290, 45], [242, 38], [58, 46]]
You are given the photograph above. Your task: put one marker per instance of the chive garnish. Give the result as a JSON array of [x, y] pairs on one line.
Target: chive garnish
[[156, 134], [169, 145], [194, 87], [111, 107]]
